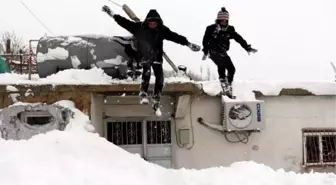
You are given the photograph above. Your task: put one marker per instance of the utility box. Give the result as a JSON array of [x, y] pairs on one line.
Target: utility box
[[238, 115]]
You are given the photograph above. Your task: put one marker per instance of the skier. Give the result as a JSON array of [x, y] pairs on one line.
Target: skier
[[149, 36], [216, 43], [133, 63]]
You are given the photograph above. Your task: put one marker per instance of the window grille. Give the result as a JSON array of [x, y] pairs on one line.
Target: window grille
[[319, 147]]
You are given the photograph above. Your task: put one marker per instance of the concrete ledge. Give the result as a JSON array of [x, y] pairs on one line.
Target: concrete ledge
[[190, 88], [288, 92]]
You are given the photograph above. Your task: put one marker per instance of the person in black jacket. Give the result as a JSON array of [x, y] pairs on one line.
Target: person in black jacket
[[149, 36], [216, 43], [133, 63]]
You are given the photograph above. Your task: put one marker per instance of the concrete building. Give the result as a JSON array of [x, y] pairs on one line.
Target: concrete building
[[297, 129]]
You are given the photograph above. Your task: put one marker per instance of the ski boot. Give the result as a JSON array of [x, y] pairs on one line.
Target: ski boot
[[137, 73], [156, 106], [130, 75], [227, 89], [143, 98]]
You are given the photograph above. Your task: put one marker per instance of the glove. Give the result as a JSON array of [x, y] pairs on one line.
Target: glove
[[204, 57], [108, 10], [251, 50], [194, 47]]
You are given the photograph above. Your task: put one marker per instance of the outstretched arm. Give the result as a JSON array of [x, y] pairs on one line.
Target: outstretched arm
[[179, 39], [242, 42], [238, 38], [122, 21], [125, 23], [174, 37]]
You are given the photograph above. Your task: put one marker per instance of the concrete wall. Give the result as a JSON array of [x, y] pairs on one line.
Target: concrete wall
[[279, 145]]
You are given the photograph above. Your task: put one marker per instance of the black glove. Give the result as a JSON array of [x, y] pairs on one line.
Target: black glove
[[249, 49], [194, 47], [107, 10]]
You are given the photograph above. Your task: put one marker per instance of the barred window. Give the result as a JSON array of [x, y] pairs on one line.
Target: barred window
[[158, 132], [124, 132], [319, 147], [133, 133]]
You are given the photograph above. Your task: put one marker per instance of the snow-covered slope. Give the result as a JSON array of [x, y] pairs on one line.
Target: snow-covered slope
[[82, 158]]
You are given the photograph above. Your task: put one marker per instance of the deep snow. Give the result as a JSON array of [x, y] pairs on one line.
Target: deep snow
[[77, 156], [70, 158]]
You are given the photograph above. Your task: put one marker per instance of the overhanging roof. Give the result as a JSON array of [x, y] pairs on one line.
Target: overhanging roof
[[188, 88]]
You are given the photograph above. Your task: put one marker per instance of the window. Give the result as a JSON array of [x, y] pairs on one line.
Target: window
[[35, 118], [39, 120], [139, 132], [158, 132], [124, 132], [319, 147]]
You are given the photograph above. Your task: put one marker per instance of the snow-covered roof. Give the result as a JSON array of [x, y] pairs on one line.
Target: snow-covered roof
[[95, 80]]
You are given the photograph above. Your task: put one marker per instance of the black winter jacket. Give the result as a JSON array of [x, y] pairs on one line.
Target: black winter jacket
[[149, 42], [218, 40]]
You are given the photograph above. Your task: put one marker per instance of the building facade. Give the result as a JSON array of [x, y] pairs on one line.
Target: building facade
[[299, 131]]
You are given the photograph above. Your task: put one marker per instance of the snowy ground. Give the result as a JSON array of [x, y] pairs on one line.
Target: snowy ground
[[77, 156], [82, 158]]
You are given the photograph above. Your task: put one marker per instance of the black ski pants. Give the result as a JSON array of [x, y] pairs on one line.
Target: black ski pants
[[159, 78], [223, 62]]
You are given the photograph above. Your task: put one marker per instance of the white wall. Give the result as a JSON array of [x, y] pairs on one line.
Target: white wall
[[279, 145]]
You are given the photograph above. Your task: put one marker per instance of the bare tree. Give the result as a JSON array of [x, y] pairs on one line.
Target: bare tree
[[17, 43]]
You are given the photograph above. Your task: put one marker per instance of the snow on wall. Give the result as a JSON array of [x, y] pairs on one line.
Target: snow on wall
[[75, 61], [53, 54], [13, 127]]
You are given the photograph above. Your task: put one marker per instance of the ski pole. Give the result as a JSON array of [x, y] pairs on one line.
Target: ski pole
[[115, 3], [128, 11]]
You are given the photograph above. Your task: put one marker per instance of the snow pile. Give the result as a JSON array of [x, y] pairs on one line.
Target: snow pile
[[69, 158], [75, 61], [53, 54], [80, 121], [78, 76], [115, 61]]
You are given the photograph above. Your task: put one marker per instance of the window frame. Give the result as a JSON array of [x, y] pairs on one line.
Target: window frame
[[319, 132]]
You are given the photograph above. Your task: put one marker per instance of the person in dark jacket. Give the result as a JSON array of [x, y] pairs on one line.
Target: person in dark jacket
[[216, 43], [149, 36], [133, 63]]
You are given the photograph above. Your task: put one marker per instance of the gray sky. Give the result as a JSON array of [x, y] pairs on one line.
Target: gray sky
[[287, 31]]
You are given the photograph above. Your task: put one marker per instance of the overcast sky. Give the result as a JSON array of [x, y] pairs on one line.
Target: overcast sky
[[296, 31]]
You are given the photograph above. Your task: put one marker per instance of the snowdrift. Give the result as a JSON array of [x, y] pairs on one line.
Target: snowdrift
[[70, 158]]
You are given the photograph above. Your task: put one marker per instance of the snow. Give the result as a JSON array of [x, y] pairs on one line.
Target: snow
[[11, 88], [92, 53], [53, 54], [80, 121], [77, 157], [75, 61], [115, 61], [76, 41], [243, 89]]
